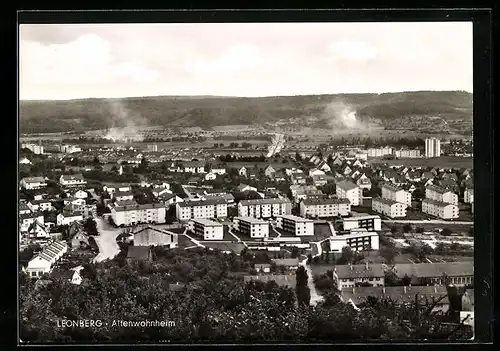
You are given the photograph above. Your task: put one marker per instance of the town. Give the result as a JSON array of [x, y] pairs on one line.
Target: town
[[358, 222]]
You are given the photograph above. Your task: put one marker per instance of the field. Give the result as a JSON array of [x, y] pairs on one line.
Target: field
[[445, 162]]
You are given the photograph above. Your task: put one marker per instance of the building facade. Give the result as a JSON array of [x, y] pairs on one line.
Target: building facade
[[437, 193], [440, 209], [324, 208], [192, 209], [356, 240], [370, 223], [297, 225], [350, 191], [395, 193], [209, 230], [253, 227], [136, 214], [432, 147], [389, 208], [264, 208]]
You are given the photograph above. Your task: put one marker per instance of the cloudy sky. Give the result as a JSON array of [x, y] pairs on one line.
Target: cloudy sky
[[254, 59]]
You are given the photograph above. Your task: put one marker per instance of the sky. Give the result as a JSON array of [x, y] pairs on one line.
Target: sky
[[63, 61]]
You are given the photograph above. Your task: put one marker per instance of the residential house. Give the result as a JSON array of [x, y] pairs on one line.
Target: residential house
[[160, 191], [456, 273], [127, 215], [80, 194], [288, 263], [279, 176], [66, 217], [72, 180], [171, 199], [390, 208], [110, 188], [252, 227], [29, 218], [78, 240], [195, 209], [218, 169], [139, 253], [38, 231], [194, 167], [149, 236], [24, 161], [350, 191], [269, 171], [359, 239], [370, 223], [324, 207], [242, 172], [244, 187], [354, 175], [324, 166], [395, 193], [252, 174], [357, 163], [24, 208], [40, 205], [347, 170], [319, 180], [264, 208], [71, 275], [30, 183], [210, 176], [299, 226], [290, 171], [348, 276], [440, 209], [315, 171], [123, 195], [440, 194], [298, 178], [337, 161], [262, 267], [42, 262], [363, 182]]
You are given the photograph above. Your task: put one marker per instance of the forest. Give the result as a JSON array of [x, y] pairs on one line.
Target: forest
[[202, 292]]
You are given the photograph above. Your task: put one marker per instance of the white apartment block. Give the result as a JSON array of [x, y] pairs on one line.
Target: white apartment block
[[432, 147], [357, 240], [370, 223], [135, 214], [196, 209], [395, 193], [437, 193], [469, 195], [264, 208], [34, 148], [350, 191], [389, 208], [209, 230], [439, 209], [296, 225], [324, 208], [30, 183], [407, 153], [253, 227], [379, 152]]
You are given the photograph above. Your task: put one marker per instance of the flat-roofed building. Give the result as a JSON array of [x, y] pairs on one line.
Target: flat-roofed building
[[396, 193], [209, 230], [136, 214], [324, 208], [440, 209], [195, 209], [264, 208], [389, 208], [370, 223], [348, 190], [253, 227], [358, 240], [297, 225], [438, 193]]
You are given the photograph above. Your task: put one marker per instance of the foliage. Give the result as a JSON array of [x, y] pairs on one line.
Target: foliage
[[302, 289], [90, 226]]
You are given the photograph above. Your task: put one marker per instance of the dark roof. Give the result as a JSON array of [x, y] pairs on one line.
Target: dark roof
[[138, 252], [320, 201], [264, 201], [399, 294], [33, 180], [283, 280], [437, 189], [138, 207], [189, 203], [455, 269], [359, 271], [72, 177], [384, 201], [122, 193], [391, 187], [437, 203]]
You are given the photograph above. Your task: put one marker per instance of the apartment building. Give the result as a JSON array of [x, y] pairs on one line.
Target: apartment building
[[196, 209], [379, 152], [439, 209], [437, 193], [324, 208], [396, 193], [253, 227], [135, 214], [209, 230], [357, 240], [264, 208], [348, 190], [469, 195], [407, 153], [347, 276], [37, 149], [370, 223], [123, 196], [432, 147], [389, 208], [30, 183], [297, 225], [72, 180]]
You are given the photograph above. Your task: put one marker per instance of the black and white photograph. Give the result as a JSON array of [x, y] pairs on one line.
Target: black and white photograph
[[211, 183]]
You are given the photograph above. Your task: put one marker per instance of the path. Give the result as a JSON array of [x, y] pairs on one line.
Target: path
[[196, 242], [315, 297], [106, 240]]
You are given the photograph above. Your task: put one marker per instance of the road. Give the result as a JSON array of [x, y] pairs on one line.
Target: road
[[315, 297], [432, 221], [106, 240]]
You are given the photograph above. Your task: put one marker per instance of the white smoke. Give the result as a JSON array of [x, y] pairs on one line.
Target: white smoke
[[125, 124], [341, 115]]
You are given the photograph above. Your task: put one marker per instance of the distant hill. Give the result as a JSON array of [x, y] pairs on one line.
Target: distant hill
[[429, 107]]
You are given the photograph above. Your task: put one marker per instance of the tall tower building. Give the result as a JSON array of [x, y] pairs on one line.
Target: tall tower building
[[432, 147]]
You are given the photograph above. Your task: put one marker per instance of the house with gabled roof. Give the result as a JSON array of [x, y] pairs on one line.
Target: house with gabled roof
[[72, 180], [38, 230], [30, 183], [242, 172], [42, 263]]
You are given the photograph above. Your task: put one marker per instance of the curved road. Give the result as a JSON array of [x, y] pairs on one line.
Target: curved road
[[106, 240], [315, 297]]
